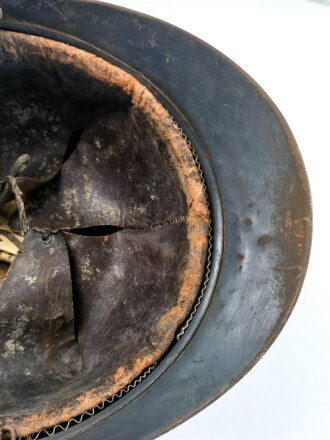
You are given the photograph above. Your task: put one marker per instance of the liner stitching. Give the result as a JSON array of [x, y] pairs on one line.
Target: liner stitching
[[180, 333]]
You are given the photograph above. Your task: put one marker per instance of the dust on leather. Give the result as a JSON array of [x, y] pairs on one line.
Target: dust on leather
[[103, 231]]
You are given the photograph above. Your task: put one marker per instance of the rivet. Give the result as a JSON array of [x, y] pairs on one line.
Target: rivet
[[46, 239]]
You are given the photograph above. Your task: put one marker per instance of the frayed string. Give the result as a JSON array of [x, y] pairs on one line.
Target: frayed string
[[24, 224]]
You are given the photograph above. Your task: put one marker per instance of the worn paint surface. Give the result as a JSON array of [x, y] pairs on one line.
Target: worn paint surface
[[247, 150]]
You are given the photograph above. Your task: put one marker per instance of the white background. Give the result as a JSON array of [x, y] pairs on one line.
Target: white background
[[285, 46]]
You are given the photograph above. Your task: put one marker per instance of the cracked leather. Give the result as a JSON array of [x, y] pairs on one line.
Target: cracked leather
[[84, 311]]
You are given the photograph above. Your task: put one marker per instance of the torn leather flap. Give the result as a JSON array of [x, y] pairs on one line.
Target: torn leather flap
[[118, 175], [128, 290], [38, 348], [33, 126], [86, 309]]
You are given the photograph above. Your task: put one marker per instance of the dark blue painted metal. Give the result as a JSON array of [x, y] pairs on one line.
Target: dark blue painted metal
[[247, 153]]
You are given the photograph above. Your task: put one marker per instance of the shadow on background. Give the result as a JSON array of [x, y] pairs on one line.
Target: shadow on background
[[321, 2]]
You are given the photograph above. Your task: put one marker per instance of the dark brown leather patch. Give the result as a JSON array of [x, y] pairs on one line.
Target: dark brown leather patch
[[118, 235]]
